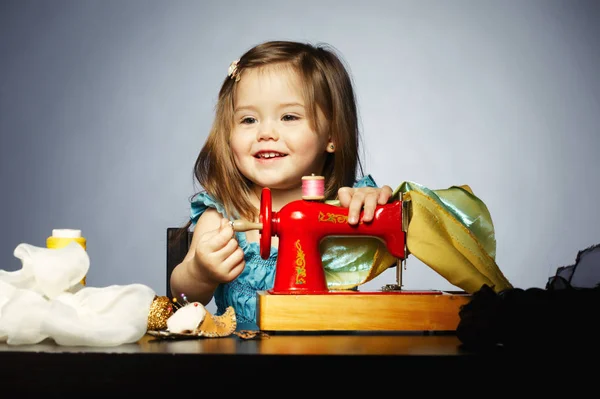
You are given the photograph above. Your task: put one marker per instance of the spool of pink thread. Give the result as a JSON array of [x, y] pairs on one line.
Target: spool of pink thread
[[313, 188]]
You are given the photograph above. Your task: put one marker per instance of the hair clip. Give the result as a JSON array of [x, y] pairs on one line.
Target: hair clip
[[232, 72]]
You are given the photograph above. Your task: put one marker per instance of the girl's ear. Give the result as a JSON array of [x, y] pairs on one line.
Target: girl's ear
[[331, 147]]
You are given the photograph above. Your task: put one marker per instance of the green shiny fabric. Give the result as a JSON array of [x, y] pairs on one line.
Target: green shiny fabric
[[450, 230], [352, 261], [463, 206]]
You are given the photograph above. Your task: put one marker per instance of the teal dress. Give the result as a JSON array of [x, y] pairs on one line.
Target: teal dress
[[258, 274]]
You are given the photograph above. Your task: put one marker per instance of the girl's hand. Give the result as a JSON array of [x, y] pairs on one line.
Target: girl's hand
[[218, 254], [367, 198]]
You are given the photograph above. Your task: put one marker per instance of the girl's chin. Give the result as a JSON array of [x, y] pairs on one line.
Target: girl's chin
[[279, 184]]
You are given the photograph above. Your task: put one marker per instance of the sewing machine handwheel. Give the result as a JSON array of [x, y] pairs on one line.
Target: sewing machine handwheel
[[265, 220]]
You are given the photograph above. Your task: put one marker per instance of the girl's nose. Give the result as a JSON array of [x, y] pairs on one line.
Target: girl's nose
[[268, 131]]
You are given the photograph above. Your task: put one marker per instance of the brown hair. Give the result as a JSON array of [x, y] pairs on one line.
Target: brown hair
[[327, 87]]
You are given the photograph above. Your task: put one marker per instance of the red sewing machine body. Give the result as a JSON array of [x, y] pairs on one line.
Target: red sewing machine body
[[300, 299], [302, 224]]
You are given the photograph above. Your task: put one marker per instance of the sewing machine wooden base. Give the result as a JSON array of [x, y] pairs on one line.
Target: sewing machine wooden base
[[360, 311]]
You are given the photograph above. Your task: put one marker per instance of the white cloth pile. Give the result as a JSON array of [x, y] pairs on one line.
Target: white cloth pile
[[45, 299]]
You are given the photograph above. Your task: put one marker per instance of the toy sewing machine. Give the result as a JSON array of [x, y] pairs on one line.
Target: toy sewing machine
[[300, 299]]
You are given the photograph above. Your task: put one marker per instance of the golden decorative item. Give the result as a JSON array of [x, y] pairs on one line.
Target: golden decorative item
[[160, 310], [172, 320]]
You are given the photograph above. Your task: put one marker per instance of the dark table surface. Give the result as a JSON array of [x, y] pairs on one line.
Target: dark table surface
[[136, 365], [153, 365]]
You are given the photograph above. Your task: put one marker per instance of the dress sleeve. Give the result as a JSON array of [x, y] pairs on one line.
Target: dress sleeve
[[200, 203], [365, 181]]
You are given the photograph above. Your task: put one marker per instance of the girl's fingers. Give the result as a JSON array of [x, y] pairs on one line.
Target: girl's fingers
[[363, 199], [369, 207], [233, 263], [384, 195], [217, 239], [355, 207], [345, 196]]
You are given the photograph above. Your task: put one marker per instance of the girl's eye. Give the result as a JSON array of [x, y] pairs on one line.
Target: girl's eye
[[289, 118], [248, 120]]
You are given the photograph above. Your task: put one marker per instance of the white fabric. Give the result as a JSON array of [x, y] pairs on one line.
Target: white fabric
[[45, 299]]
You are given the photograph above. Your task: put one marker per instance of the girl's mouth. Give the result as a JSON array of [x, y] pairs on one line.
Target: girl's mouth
[[269, 155]]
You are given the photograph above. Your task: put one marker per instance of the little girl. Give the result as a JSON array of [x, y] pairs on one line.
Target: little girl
[[285, 110]]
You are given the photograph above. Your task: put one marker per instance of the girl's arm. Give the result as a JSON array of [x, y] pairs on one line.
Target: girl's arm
[[214, 257]]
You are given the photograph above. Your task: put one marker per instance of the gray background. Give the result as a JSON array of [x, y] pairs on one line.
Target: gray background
[[104, 106]]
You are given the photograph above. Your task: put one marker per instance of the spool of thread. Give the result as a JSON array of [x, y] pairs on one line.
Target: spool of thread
[[313, 188], [60, 238]]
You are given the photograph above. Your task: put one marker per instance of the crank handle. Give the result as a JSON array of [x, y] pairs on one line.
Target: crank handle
[[244, 225]]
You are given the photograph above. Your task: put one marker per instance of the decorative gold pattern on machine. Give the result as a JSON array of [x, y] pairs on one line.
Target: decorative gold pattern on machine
[[300, 265], [333, 218]]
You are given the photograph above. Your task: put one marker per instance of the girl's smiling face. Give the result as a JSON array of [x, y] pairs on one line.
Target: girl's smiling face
[[273, 141]]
